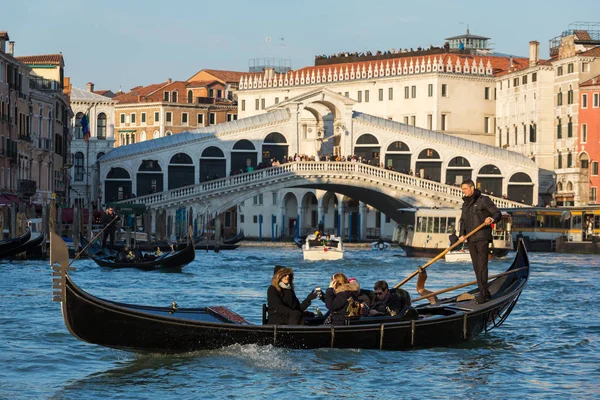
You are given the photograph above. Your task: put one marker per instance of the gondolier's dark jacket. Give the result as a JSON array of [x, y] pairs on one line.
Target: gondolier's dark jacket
[[281, 303], [107, 218], [475, 210]]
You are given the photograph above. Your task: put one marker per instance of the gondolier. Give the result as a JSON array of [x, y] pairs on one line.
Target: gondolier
[[476, 210], [109, 221]]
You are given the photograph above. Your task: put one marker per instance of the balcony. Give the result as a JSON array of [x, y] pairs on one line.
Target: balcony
[[205, 100], [43, 84], [26, 187], [25, 138], [43, 144]]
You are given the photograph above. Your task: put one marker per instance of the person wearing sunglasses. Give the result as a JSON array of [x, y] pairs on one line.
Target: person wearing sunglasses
[[386, 302], [283, 305], [338, 295]]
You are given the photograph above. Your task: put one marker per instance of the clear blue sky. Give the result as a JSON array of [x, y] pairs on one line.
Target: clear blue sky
[[122, 44]]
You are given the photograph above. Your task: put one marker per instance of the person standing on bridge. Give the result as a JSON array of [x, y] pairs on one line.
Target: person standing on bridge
[[477, 209]]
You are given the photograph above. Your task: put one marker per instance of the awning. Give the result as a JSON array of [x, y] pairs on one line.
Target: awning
[[137, 209], [7, 199]]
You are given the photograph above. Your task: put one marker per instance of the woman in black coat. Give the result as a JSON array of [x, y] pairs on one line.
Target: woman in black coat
[[283, 305], [336, 297]]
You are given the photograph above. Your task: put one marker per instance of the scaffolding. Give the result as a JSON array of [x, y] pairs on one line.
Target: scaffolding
[[280, 65], [584, 31]]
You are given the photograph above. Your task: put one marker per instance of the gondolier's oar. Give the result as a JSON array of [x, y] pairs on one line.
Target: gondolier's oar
[[92, 241], [442, 254], [467, 284]]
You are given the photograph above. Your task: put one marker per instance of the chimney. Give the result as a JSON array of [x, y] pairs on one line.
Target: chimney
[[269, 73], [534, 53], [11, 48], [3, 38], [90, 87], [169, 80]]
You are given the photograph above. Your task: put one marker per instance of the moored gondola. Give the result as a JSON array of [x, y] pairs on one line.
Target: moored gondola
[[9, 244], [167, 260], [234, 239], [173, 329], [34, 241]]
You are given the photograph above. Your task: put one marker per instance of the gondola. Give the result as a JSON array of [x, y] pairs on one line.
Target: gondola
[[148, 329], [234, 239], [34, 241], [299, 241], [9, 244], [168, 260], [151, 247]]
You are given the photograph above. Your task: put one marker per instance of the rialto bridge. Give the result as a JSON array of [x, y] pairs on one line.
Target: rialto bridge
[[199, 171]]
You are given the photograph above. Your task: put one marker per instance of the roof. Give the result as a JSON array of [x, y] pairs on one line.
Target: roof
[[43, 59], [4, 35], [591, 82], [85, 95], [582, 35], [594, 52], [227, 76], [132, 97], [102, 92], [201, 83], [197, 134], [467, 36]]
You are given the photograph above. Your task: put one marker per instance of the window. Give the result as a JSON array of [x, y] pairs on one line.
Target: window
[[406, 92], [559, 71], [262, 104], [200, 120], [413, 92], [101, 127], [359, 96], [570, 96], [444, 90], [156, 116], [78, 163], [516, 82], [212, 118], [583, 133], [559, 129], [429, 121], [132, 117], [122, 119], [184, 119], [143, 117], [174, 97], [570, 68], [241, 218], [584, 100], [190, 96], [534, 77], [347, 94], [594, 168], [486, 94], [593, 193], [169, 118], [486, 124], [559, 160], [532, 133], [166, 96], [569, 160], [406, 120], [243, 105], [231, 117], [256, 104], [255, 219], [570, 128], [274, 198], [380, 94], [443, 127], [559, 98], [276, 100], [430, 90], [391, 94], [524, 80], [219, 93], [596, 100], [211, 93], [413, 120], [366, 96]]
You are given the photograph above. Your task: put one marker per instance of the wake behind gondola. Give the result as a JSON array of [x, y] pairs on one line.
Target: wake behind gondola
[[173, 330]]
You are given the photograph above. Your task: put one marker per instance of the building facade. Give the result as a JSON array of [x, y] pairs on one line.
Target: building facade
[[589, 135], [86, 189]]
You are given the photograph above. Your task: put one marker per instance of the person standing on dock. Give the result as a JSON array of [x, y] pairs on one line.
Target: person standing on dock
[[477, 209]]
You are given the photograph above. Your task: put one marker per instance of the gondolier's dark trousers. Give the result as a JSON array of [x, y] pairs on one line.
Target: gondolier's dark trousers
[[479, 251], [108, 233]]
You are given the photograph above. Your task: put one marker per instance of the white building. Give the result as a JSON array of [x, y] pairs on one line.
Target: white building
[[85, 183]]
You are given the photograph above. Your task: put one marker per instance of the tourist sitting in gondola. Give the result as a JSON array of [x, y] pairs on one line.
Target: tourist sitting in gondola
[[341, 298], [283, 305], [386, 301]]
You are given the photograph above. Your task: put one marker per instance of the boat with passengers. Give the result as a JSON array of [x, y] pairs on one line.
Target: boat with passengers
[[428, 235]]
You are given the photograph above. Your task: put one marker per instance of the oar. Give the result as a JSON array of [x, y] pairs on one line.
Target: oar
[[442, 254], [92, 241], [467, 284]]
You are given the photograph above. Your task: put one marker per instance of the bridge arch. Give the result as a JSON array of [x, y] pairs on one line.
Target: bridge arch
[[520, 188], [398, 157], [274, 146], [117, 184], [458, 170], [490, 180], [181, 171], [429, 165], [213, 164], [367, 146], [243, 155], [149, 178], [310, 209]]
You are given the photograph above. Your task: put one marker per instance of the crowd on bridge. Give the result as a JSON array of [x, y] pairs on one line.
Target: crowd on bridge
[[360, 54]]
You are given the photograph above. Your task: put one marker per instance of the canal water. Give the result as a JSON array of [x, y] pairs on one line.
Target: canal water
[[548, 347]]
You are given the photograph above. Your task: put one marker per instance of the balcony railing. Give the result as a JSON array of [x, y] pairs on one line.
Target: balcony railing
[[43, 144], [39, 83], [25, 138], [26, 187]]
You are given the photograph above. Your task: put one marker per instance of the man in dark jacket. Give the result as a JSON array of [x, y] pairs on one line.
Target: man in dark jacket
[[476, 210], [386, 302], [109, 222]]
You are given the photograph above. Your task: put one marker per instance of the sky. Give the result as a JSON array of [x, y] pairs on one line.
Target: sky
[[118, 45]]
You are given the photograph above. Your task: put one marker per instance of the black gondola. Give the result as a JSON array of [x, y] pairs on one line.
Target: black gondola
[[168, 260], [151, 247], [9, 244], [173, 330], [299, 241], [234, 239], [33, 242]]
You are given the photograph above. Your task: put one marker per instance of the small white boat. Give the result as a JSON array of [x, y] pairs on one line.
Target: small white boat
[[323, 248], [458, 255], [380, 245]]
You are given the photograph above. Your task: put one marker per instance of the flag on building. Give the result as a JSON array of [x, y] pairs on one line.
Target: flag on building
[[85, 127]]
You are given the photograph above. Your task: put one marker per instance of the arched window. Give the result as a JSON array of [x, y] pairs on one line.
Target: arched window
[[118, 173], [398, 146], [156, 135], [367, 138], [490, 170], [77, 132], [181, 158], [569, 160], [559, 187], [174, 96], [101, 127], [78, 162], [243, 145], [429, 153], [520, 177], [213, 152], [169, 133], [190, 96], [99, 156], [459, 162], [143, 136], [569, 186], [275, 137]]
